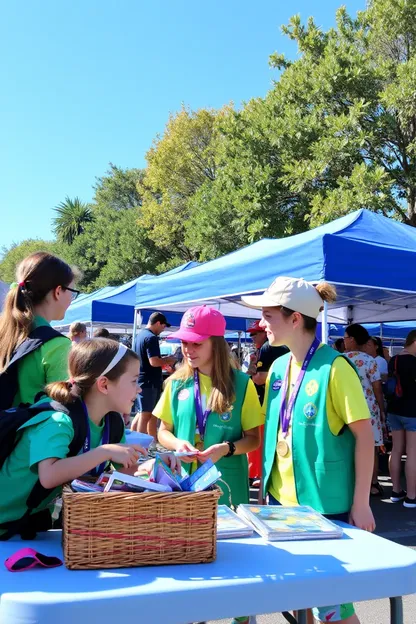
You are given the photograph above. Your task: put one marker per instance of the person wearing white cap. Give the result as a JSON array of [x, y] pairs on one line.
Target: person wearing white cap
[[318, 447]]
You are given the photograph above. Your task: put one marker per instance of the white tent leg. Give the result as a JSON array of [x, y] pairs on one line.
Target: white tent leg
[[325, 323]]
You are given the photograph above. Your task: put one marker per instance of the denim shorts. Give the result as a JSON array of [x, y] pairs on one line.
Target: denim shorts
[[148, 398], [332, 613], [401, 423]]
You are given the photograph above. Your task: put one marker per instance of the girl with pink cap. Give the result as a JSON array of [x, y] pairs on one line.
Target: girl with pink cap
[[208, 406]]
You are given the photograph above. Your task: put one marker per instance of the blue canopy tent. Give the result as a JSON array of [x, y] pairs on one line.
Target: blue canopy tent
[[114, 305], [369, 258], [388, 331]]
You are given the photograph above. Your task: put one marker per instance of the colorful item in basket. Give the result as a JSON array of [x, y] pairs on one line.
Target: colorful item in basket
[[203, 478], [82, 486], [230, 525], [276, 523], [134, 437], [27, 558], [126, 483], [162, 474]]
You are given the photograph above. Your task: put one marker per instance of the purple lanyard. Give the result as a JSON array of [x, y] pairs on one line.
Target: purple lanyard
[[104, 440], [201, 417], [286, 412]]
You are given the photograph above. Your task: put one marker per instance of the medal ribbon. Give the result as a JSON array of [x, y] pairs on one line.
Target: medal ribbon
[[104, 440], [286, 409], [201, 417]]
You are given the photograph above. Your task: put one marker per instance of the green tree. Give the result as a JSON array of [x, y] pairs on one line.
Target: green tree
[[119, 189], [179, 164], [72, 216], [346, 110]]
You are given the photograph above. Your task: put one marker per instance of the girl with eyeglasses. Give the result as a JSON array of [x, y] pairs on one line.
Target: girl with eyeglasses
[[43, 291]]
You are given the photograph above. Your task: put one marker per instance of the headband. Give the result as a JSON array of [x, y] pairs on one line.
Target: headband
[[122, 349]]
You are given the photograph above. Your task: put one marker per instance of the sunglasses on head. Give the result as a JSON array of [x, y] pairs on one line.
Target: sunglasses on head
[[27, 558]]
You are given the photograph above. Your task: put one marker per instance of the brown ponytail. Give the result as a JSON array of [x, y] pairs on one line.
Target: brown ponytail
[[61, 391], [37, 275], [87, 361]]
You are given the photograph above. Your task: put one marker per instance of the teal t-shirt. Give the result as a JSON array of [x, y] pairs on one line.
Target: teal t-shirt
[[47, 364], [19, 473]]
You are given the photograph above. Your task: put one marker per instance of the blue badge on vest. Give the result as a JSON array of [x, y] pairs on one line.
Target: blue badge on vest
[[277, 384], [310, 411], [225, 417]]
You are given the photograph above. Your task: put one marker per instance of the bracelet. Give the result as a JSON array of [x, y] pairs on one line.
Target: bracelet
[[231, 446]]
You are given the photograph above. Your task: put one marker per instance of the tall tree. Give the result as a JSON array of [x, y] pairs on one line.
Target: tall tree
[[179, 163], [72, 216], [119, 189]]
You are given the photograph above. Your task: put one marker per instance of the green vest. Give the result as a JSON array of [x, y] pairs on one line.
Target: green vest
[[219, 428], [323, 463]]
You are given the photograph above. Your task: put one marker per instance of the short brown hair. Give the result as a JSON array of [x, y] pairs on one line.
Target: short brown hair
[[87, 361], [77, 328]]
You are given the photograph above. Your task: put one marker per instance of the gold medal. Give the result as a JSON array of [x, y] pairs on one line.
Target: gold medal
[[200, 445], [282, 448]]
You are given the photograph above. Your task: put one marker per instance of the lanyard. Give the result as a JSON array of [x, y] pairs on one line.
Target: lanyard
[[201, 417], [286, 412], [104, 440]]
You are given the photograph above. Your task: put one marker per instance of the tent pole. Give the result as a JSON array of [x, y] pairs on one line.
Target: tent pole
[[325, 323], [90, 329], [381, 331], [133, 339], [239, 346]]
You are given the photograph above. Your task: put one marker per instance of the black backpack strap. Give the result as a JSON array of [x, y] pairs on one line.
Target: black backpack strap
[[38, 337]]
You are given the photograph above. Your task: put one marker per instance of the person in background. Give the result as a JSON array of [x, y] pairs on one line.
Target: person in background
[[263, 359], [356, 339], [327, 466], [151, 377], [101, 332], [402, 422], [339, 345], [42, 293], [375, 349], [77, 332]]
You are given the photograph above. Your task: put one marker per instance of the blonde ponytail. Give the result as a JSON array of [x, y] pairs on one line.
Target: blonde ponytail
[[327, 292]]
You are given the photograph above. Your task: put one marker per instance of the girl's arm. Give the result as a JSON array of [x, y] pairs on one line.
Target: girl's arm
[[361, 515], [54, 472], [250, 442], [378, 391]]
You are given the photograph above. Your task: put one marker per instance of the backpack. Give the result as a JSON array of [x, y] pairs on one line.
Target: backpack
[[9, 383], [10, 422]]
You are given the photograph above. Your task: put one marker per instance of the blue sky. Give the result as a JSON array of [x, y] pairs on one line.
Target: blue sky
[[86, 82]]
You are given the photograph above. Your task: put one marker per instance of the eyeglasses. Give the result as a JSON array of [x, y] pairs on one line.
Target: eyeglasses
[[74, 292]]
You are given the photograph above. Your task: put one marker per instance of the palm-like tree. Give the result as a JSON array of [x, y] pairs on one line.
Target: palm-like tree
[[72, 215]]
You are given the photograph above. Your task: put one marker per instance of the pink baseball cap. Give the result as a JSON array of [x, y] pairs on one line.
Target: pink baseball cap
[[199, 324]]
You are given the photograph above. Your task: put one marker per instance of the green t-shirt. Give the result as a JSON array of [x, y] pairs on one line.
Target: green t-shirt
[[47, 364], [19, 473]]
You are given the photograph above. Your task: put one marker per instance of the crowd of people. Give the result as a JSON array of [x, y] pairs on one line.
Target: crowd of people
[[303, 421]]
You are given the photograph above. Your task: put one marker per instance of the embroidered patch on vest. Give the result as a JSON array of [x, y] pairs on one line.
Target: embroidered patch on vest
[[277, 384], [310, 411], [225, 417], [183, 394], [312, 387]]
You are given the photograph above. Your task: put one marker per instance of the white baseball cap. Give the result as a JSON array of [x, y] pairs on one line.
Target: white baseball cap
[[290, 292]]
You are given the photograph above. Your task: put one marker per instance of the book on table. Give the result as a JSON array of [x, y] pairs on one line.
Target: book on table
[[278, 523], [230, 525]]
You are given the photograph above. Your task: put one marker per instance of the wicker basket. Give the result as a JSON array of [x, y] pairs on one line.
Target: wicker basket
[[120, 529]]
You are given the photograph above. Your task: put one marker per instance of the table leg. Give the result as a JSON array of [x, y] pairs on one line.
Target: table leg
[[303, 618], [396, 610]]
